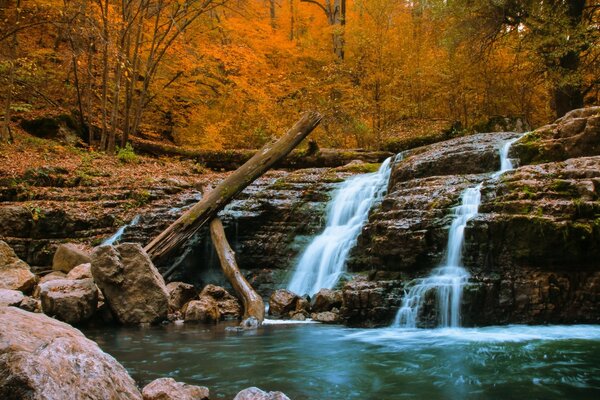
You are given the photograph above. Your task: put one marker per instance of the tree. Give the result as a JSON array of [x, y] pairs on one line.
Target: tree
[[560, 34], [335, 10]]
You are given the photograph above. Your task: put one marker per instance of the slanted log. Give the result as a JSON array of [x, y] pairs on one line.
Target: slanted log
[[207, 208], [253, 303]]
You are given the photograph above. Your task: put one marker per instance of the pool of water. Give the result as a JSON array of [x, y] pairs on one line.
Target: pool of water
[[312, 361]]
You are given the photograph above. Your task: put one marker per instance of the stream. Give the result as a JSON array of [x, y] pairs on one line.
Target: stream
[[313, 361]]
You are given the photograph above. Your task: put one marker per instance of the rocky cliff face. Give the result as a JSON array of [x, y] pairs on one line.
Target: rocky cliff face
[[532, 251]]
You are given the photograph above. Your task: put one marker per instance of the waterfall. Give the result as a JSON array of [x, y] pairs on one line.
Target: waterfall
[[449, 278], [117, 236], [323, 261]]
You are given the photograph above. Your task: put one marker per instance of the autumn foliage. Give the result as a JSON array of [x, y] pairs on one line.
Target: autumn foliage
[[221, 74]]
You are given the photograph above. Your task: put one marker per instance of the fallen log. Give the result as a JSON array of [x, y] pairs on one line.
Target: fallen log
[[253, 303], [207, 208], [230, 160]]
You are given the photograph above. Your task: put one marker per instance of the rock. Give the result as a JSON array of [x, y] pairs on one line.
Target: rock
[[298, 316], [281, 302], [205, 309], [133, 288], [179, 294], [71, 301], [30, 304], [169, 389], [326, 299], [370, 303], [10, 297], [14, 273], [326, 317], [42, 358], [68, 256], [82, 271], [250, 323], [254, 393], [229, 306], [54, 275]]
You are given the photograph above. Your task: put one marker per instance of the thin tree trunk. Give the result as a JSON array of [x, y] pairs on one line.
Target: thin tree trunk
[[207, 208], [253, 303]]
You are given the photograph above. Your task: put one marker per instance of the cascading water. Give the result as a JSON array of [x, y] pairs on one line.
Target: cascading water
[[119, 233], [323, 261], [449, 278]]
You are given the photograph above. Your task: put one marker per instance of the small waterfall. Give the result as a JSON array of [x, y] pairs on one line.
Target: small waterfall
[[117, 236], [323, 261], [449, 278]]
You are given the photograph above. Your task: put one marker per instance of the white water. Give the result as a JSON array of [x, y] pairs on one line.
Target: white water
[[323, 262], [117, 236], [449, 278]]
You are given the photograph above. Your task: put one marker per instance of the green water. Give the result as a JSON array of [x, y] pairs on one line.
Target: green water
[[330, 362]]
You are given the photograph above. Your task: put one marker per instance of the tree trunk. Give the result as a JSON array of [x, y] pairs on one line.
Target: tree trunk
[[253, 303], [207, 208]]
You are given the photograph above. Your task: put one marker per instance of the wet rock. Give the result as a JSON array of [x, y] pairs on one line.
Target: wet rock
[[229, 306], [14, 273], [169, 389], [370, 303], [254, 393], [250, 323], [326, 317], [205, 309], [133, 288], [326, 299], [71, 301], [42, 358], [281, 302], [10, 297], [179, 294], [82, 271], [68, 256], [299, 316]]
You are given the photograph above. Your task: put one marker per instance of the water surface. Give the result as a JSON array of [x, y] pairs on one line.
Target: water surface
[[313, 361]]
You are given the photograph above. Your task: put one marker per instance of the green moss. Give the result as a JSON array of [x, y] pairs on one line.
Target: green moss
[[281, 184], [564, 188], [360, 168]]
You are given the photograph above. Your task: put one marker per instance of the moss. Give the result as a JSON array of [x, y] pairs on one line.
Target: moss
[[563, 187], [360, 168], [281, 184]]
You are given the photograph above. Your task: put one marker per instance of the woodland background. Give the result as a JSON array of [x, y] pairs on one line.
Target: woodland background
[[225, 74]]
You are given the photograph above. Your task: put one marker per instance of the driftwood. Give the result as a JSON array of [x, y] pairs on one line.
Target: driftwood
[[230, 160], [207, 208], [253, 303]]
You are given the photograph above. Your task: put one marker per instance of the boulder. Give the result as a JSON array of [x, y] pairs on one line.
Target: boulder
[[229, 306], [10, 297], [326, 299], [205, 309], [54, 275], [327, 317], [281, 302], [179, 294], [169, 389], [42, 358], [71, 301], [68, 256], [254, 393], [14, 273], [133, 288], [82, 271]]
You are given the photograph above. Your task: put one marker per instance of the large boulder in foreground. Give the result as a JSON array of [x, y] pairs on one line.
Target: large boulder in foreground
[[42, 358], [72, 301], [169, 389], [133, 288], [254, 393], [14, 273], [68, 256]]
